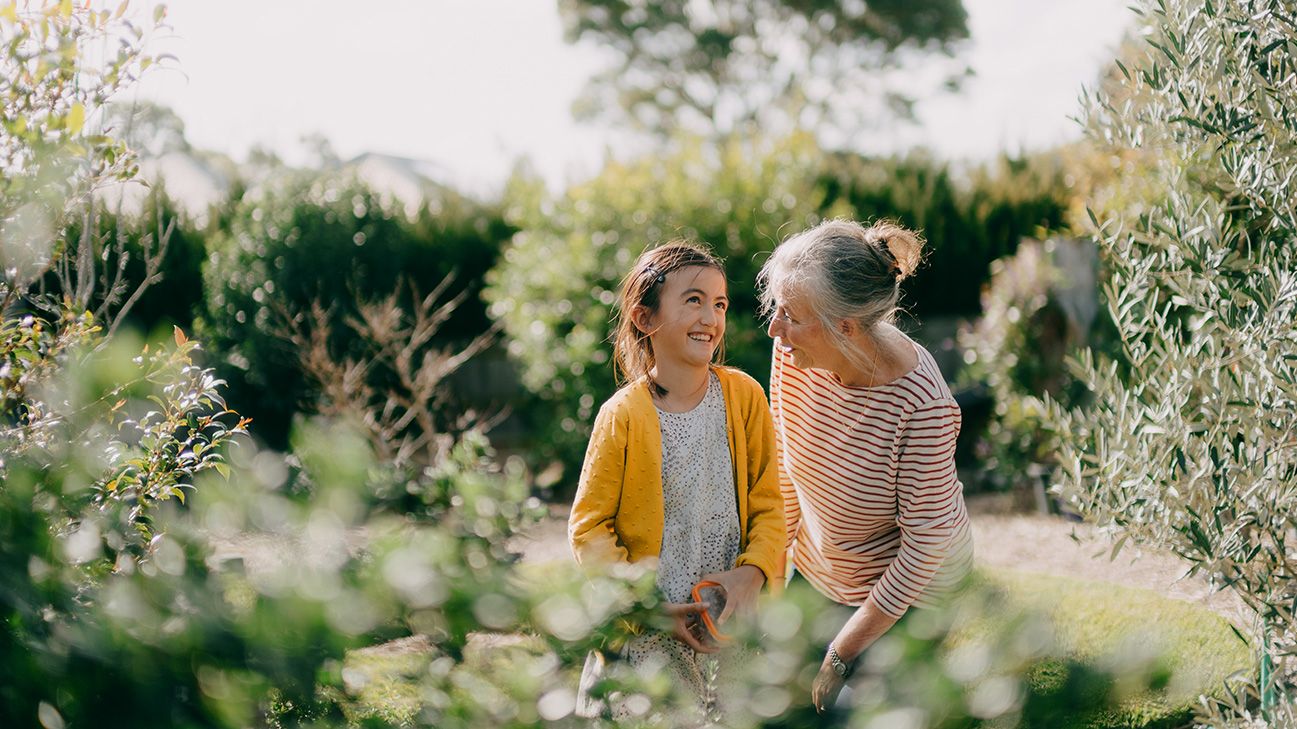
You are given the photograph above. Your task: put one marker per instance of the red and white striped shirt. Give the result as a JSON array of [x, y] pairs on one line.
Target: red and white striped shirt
[[873, 503]]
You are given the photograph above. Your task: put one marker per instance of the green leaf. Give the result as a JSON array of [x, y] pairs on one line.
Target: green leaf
[[223, 469], [76, 118], [1270, 47]]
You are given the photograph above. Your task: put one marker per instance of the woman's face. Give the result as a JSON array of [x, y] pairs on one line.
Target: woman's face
[[798, 332]]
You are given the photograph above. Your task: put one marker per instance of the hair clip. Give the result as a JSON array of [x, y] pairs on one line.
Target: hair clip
[[887, 251], [659, 277]]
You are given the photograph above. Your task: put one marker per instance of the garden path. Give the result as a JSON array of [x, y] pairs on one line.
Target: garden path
[[1023, 542]]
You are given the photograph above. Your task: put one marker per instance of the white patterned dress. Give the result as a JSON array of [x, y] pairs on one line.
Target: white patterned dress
[[701, 535]]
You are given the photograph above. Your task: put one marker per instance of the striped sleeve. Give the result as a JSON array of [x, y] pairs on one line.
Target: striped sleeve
[[928, 503], [792, 508]]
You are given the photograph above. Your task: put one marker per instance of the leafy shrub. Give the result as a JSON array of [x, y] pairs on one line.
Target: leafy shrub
[[1034, 316], [159, 248], [1188, 443], [306, 238], [247, 600]]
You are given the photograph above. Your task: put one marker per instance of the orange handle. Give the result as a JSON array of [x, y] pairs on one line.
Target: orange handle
[[707, 616]]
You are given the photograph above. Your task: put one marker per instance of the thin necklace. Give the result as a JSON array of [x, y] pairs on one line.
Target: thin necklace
[[873, 372]]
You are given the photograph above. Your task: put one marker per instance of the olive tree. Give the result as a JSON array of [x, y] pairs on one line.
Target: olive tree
[[1189, 444]]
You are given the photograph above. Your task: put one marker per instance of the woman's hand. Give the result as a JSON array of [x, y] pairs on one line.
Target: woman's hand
[[683, 616], [866, 625], [742, 586], [827, 686]]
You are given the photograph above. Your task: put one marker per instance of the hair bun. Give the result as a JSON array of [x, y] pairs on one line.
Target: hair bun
[[904, 246]]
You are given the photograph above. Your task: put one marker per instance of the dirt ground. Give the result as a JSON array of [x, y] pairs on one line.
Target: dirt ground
[[1023, 542]]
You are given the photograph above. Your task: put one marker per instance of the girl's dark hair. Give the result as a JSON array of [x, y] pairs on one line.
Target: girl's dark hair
[[632, 350]]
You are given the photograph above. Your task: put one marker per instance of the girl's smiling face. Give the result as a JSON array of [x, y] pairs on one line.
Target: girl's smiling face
[[689, 323]]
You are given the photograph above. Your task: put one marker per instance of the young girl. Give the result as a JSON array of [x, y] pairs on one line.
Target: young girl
[[681, 463]]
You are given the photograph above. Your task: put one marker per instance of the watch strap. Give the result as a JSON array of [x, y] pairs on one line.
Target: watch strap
[[840, 667]]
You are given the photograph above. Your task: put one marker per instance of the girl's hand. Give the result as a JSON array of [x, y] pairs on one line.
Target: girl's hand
[[827, 686], [683, 616], [742, 586]]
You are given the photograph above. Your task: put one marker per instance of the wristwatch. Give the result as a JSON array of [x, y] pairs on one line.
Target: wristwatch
[[840, 667]]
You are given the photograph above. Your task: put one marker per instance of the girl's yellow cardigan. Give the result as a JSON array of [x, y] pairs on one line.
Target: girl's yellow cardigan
[[617, 515]]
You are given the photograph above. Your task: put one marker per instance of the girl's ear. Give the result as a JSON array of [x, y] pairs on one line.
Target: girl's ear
[[642, 317]]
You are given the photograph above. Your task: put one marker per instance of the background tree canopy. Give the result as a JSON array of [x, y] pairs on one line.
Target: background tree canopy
[[716, 66]]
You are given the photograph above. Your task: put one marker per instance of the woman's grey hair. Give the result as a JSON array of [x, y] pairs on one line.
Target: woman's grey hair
[[842, 271]]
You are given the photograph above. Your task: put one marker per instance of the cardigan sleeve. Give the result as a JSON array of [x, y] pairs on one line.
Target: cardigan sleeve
[[765, 527], [591, 528], [929, 504]]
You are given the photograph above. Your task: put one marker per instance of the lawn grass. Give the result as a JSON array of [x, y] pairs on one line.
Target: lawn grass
[[1182, 649], [383, 682], [1097, 629]]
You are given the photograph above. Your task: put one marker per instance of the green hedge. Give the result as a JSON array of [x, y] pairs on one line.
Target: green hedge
[[969, 217], [328, 238]]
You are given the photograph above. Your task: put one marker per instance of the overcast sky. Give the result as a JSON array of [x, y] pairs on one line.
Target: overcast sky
[[474, 84]]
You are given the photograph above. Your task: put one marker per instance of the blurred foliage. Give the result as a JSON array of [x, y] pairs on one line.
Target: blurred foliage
[[1188, 443], [160, 247], [392, 381], [1035, 314], [50, 90], [1018, 650], [51, 156], [969, 217], [714, 68], [309, 238], [246, 601], [555, 288]]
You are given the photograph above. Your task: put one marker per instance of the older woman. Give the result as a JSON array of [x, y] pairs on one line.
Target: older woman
[[866, 431]]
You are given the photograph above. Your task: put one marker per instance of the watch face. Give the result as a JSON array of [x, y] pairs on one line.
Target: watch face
[[839, 666]]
